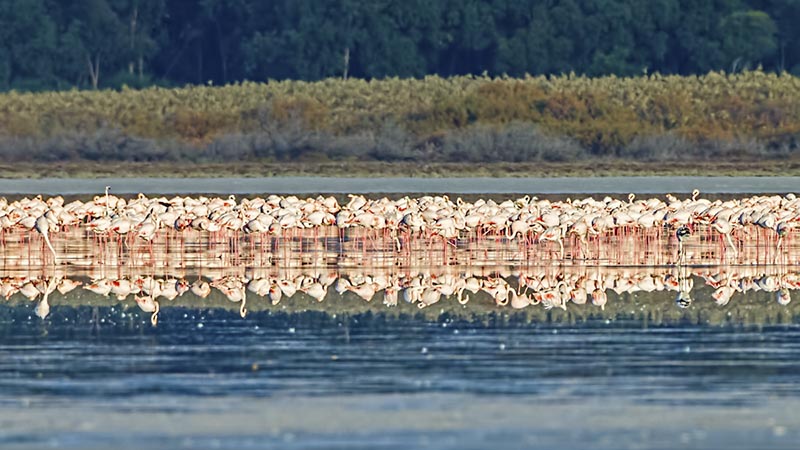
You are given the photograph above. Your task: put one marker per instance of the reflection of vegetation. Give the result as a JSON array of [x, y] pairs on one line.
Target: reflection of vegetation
[[646, 309], [466, 119]]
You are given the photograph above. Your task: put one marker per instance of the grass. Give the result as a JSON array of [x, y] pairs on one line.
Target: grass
[[250, 169]]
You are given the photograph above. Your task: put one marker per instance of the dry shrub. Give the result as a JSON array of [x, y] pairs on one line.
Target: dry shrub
[[18, 125], [660, 147], [199, 127], [502, 101], [310, 112], [776, 116], [444, 115], [517, 142], [494, 102], [674, 147], [601, 137], [101, 145], [71, 120], [667, 111], [563, 107]]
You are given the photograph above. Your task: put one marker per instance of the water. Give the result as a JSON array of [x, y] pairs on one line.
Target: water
[[310, 185], [636, 371], [347, 373], [312, 380]]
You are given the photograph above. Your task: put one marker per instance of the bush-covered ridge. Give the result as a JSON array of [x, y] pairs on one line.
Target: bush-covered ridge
[[748, 114]]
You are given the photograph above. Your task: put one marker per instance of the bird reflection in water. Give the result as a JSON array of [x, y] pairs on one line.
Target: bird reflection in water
[[500, 287]]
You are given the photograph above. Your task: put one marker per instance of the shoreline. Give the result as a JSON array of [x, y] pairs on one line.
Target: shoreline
[[368, 169], [648, 185]]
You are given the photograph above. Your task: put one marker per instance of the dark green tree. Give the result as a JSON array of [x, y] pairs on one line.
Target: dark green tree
[[93, 41], [748, 37], [107, 43], [308, 42], [141, 21], [28, 45]]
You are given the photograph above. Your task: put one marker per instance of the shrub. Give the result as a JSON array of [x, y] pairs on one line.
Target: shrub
[[516, 142]]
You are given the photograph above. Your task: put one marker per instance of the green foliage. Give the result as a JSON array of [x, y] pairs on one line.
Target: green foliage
[[27, 44], [748, 36], [45, 44]]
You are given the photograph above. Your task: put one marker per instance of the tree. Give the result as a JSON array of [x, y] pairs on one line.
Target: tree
[[748, 37], [535, 47], [141, 20], [786, 15], [225, 22], [94, 37], [27, 44], [58, 44], [308, 42], [651, 27], [471, 37], [397, 38]]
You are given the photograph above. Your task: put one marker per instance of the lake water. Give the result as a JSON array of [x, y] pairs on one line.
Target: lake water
[[209, 379], [613, 349], [640, 372]]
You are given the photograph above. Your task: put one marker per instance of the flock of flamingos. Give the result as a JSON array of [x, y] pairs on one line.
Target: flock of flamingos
[[219, 235]]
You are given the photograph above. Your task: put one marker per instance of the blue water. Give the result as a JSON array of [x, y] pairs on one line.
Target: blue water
[[209, 379]]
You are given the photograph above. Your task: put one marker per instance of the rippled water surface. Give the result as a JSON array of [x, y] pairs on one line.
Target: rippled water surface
[[208, 379]]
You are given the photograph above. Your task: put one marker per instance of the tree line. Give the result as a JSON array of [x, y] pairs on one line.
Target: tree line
[[51, 44]]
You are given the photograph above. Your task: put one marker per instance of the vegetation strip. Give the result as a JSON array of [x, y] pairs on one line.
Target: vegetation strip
[[592, 167], [749, 115]]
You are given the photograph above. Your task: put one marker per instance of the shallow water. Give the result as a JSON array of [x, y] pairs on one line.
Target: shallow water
[[653, 355], [309, 185], [346, 373], [208, 379]]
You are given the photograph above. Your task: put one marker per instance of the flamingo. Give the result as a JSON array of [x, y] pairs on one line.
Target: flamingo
[[554, 234], [237, 294], [428, 297], [723, 295], [275, 294], [43, 227], [42, 310], [66, 285], [149, 305], [316, 290], [599, 298], [725, 228], [783, 296], [30, 290], [682, 233], [201, 288], [287, 288], [390, 296], [519, 301], [683, 299], [553, 298]]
